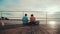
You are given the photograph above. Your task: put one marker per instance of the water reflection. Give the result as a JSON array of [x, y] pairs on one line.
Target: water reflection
[[53, 17], [52, 22]]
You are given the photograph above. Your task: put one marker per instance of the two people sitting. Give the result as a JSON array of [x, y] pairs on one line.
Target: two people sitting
[[32, 20]]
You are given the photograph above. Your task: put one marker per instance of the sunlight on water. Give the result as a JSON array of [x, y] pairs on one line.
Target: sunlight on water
[[52, 23]]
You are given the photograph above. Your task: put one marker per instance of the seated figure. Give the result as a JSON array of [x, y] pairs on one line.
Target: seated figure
[[33, 20], [25, 20]]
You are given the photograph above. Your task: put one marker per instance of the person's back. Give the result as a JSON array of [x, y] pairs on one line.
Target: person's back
[[32, 18], [25, 19]]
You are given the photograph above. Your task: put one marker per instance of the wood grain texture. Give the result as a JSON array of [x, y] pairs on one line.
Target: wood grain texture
[[38, 29]]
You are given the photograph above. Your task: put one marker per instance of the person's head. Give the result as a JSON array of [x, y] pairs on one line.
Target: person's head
[[31, 14], [25, 14]]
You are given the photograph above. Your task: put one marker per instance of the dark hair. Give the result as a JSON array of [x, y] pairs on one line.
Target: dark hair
[[25, 14], [31, 14]]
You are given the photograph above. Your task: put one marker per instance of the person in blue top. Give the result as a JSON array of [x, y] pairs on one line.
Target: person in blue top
[[25, 19]]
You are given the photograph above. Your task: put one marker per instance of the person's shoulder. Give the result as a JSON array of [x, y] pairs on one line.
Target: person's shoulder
[[33, 17], [25, 17]]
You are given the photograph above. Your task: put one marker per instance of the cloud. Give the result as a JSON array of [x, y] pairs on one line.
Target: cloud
[[27, 5]]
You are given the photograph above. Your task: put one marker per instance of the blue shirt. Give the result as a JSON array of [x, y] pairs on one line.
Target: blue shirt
[[25, 19]]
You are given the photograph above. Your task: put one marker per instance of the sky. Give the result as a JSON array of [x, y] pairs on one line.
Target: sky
[[51, 6], [29, 5]]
